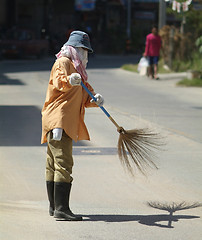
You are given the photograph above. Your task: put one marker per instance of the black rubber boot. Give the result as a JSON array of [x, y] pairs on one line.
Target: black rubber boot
[[62, 210], [50, 191]]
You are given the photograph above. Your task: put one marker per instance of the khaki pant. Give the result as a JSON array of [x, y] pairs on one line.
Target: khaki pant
[[59, 161]]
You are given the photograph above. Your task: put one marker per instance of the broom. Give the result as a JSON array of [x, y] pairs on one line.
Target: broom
[[135, 147]]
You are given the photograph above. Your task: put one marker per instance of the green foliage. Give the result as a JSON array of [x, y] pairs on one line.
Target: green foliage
[[182, 45], [194, 63], [193, 20], [181, 66], [195, 82], [199, 43], [186, 53], [194, 23]]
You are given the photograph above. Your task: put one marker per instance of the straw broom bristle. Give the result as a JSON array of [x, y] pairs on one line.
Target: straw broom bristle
[[136, 149]]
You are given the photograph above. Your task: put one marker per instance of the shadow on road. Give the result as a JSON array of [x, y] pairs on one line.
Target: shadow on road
[[111, 61], [173, 207], [152, 220], [4, 80], [96, 61], [149, 220], [21, 126], [30, 65]]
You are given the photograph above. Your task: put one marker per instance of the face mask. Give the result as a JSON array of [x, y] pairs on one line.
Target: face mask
[[83, 54]]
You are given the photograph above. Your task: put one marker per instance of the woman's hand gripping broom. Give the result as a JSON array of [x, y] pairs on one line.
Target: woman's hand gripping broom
[[135, 147]]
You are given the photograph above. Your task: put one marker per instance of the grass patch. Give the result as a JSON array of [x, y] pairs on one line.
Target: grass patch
[[133, 67], [130, 67], [195, 82]]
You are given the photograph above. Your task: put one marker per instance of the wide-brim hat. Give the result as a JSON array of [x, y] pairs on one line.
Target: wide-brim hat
[[79, 39]]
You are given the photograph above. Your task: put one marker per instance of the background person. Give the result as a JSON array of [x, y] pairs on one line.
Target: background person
[[152, 51]]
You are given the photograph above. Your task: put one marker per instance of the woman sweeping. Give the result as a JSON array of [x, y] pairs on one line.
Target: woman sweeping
[[63, 120]]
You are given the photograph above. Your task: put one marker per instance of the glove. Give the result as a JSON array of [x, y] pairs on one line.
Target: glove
[[99, 99], [57, 134], [75, 79]]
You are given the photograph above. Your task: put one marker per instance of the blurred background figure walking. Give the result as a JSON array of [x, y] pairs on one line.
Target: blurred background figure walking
[[152, 51]]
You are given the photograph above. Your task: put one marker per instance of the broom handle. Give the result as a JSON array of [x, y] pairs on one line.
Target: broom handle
[[103, 109]]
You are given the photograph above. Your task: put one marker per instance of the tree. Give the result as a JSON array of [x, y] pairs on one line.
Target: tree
[[192, 18]]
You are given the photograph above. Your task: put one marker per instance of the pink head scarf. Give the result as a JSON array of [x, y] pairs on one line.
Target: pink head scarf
[[72, 53]]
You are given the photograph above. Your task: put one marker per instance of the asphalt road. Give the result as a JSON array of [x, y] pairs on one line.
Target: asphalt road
[[114, 205]]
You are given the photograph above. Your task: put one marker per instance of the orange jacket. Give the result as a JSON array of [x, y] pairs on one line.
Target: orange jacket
[[65, 104]]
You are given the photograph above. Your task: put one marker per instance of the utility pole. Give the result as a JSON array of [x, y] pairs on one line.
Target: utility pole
[[162, 14], [129, 19]]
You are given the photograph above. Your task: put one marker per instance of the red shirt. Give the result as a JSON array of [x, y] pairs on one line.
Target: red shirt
[[153, 45]]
